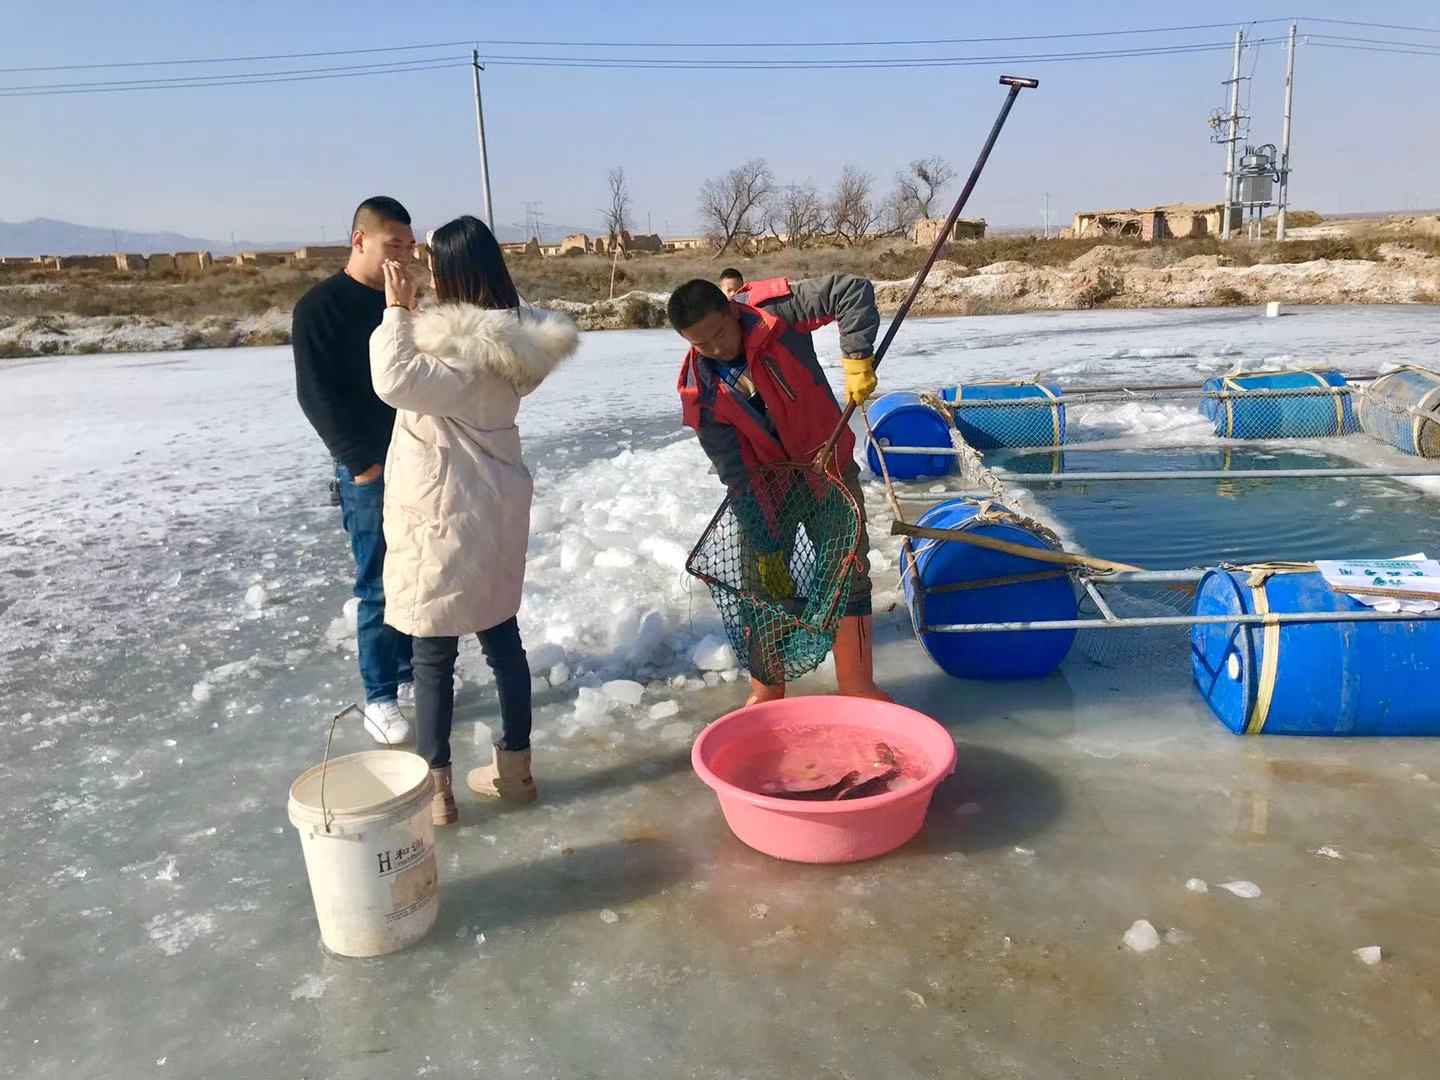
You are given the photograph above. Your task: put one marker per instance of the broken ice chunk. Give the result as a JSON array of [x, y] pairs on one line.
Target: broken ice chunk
[[1327, 853], [255, 597], [1369, 955], [713, 653], [1246, 890], [1141, 937], [623, 691], [609, 917], [1197, 885], [664, 709]]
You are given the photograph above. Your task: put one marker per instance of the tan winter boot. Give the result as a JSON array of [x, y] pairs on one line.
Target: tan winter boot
[[855, 659], [506, 777], [443, 810]]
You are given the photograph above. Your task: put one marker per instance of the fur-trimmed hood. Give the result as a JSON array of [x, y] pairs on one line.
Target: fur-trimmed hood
[[521, 347]]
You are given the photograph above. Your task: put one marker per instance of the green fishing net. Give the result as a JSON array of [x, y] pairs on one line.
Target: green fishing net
[[778, 558]]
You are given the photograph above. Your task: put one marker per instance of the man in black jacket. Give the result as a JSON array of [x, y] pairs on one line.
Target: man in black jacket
[[331, 338]]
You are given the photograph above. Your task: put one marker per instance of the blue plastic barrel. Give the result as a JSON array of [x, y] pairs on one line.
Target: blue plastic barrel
[[1358, 678], [902, 419], [1385, 410], [1305, 416], [994, 427], [1019, 654]]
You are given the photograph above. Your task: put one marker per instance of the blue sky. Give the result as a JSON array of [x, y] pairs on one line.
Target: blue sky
[[291, 159]]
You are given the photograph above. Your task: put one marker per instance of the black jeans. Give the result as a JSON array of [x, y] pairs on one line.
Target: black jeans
[[434, 660]]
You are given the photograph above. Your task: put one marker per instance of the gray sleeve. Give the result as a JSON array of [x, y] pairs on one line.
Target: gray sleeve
[[842, 298], [721, 444]]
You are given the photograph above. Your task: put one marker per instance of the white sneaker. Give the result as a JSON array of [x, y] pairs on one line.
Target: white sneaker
[[386, 724], [405, 695]]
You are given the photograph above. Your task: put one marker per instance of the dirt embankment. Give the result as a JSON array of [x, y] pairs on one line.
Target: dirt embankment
[[49, 318], [1118, 277]]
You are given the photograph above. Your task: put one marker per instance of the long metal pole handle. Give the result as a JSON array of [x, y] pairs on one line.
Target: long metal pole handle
[[1016, 84]]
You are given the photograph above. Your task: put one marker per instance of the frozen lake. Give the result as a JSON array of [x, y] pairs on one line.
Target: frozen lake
[[158, 920]]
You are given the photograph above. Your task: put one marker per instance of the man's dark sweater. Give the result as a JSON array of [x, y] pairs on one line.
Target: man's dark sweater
[[330, 334]]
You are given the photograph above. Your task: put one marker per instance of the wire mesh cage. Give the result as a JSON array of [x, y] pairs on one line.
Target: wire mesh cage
[[1285, 405], [779, 558]]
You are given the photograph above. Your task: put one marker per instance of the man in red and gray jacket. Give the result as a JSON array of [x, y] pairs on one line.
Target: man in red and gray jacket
[[755, 394]]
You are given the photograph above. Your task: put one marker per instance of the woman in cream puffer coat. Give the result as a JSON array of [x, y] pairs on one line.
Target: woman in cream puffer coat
[[457, 492]]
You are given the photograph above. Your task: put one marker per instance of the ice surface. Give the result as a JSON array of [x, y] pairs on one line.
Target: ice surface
[[1369, 955], [1141, 937], [713, 653], [139, 493], [1246, 890], [1197, 885], [614, 559]]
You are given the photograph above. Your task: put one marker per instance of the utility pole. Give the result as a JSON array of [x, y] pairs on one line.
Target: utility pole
[[480, 130], [1234, 135], [1284, 193], [1047, 215]]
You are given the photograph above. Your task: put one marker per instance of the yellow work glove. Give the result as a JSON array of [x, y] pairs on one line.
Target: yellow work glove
[[775, 576], [860, 380]]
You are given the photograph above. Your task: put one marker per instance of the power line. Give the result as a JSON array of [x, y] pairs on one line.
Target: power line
[[1372, 41], [889, 43], [715, 64], [1372, 25], [189, 80], [632, 63], [1375, 49], [510, 43], [235, 59], [11, 92], [789, 45]]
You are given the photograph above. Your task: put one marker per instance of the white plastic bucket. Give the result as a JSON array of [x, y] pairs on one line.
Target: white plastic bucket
[[369, 849]]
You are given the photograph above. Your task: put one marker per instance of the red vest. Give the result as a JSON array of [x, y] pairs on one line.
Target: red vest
[[802, 410]]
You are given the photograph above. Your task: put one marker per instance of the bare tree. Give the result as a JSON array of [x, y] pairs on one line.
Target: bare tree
[[853, 212], [923, 182], [732, 206], [617, 215], [899, 211], [795, 215]]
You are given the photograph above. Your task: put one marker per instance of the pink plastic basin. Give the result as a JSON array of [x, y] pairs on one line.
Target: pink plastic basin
[[822, 832]]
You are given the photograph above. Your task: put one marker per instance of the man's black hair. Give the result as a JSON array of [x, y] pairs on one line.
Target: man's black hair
[[379, 209], [731, 272], [694, 300]]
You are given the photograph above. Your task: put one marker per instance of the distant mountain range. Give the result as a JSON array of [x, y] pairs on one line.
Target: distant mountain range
[[46, 236]]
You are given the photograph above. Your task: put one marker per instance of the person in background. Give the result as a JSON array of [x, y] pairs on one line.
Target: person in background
[[330, 334], [753, 390], [457, 499], [731, 281]]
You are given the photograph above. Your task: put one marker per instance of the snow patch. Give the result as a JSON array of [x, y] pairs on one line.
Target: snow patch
[[172, 934]]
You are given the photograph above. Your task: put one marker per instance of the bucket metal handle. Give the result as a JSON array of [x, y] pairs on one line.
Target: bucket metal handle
[[325, 763]]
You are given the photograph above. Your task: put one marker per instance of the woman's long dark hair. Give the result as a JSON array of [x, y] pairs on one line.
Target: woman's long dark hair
[[468, 265]]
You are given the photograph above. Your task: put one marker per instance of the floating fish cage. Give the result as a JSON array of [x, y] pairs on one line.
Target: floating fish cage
[[993, 594]]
